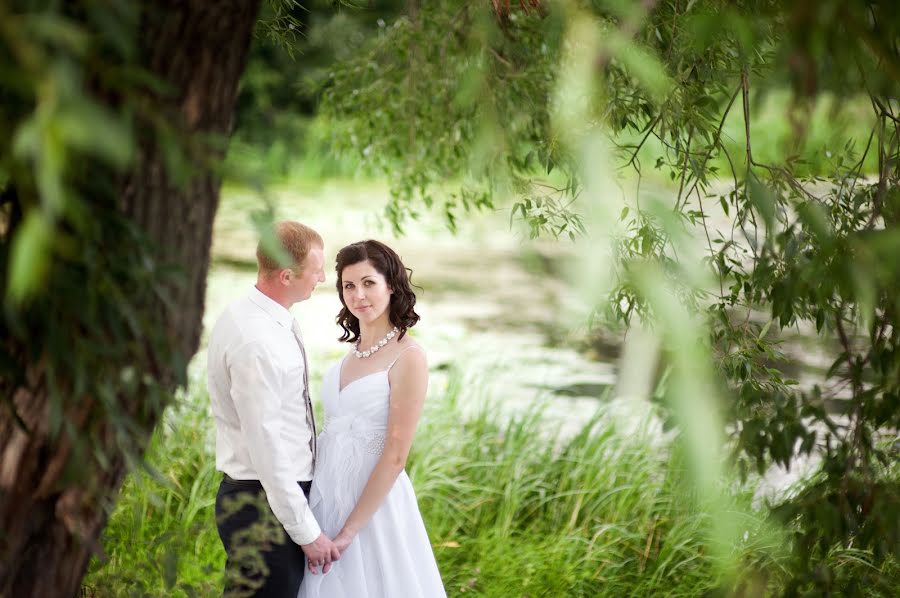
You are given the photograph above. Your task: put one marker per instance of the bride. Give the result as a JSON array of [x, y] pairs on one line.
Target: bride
[[373, 397]]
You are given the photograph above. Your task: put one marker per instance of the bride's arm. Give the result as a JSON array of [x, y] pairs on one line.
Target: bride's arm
[[409, 382]]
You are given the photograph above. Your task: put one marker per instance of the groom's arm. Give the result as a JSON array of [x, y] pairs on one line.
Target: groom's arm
[[254, 383], [409, 383]]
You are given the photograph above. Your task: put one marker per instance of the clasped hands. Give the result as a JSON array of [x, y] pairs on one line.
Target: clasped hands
[[323, 551]]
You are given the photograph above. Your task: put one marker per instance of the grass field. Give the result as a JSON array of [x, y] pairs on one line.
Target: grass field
[[512, 510]]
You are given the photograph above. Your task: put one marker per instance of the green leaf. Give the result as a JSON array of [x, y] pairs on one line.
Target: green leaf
[[264, 221], [765, 330], [762, 198], [94, 129], [814, 216], [57, 30], [30, 257], [641, 62]]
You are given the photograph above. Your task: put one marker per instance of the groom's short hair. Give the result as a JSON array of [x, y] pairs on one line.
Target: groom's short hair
[[296, 239]]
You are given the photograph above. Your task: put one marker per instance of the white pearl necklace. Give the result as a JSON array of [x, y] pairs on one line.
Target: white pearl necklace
[[376, 346]]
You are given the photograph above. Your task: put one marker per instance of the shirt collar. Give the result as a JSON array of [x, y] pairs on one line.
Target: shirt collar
[[272, 307]]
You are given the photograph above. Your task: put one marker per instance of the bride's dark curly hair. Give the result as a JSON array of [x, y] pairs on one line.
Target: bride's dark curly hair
[[386, 261]]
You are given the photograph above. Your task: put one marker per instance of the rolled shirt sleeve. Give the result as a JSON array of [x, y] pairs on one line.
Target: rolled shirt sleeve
[[254, 389]]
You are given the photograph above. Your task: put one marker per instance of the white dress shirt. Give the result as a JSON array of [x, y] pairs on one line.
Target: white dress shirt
[[255, 375]]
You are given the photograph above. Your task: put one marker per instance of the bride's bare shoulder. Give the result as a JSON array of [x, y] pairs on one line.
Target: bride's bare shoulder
[[411, 353]]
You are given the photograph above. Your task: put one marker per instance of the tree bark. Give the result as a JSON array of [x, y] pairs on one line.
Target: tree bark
[[50, 528]]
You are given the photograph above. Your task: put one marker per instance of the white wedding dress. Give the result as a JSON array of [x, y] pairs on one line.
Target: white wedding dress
[[391, 557]]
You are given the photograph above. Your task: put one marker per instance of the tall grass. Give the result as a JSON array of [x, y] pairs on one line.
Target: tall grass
[[161, 539], [516, 511], [512, 509]]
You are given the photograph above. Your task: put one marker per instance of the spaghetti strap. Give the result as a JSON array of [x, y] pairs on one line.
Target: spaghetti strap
[[401, 353]]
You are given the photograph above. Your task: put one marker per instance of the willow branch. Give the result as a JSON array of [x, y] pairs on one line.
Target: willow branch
[[709, 241], [643, 141], [716, 140], [745, 94]]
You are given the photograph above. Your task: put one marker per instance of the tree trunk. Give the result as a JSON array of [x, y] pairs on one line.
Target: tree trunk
[[49, 528]]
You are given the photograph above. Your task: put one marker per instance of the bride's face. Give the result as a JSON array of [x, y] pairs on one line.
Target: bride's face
[[366, 292]]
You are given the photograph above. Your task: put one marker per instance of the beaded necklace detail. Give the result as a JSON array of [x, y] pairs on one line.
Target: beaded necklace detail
[[374, 348]]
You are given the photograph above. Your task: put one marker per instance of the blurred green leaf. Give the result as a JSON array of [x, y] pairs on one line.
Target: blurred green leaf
[[96, 130], [641, 62], [763, 200], [30, 257], [264, 221], [57, 30]]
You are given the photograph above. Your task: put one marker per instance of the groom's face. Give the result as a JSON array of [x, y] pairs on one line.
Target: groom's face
[[305, 279]]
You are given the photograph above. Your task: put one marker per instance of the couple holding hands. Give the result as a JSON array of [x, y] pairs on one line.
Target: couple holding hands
[[344, 506]]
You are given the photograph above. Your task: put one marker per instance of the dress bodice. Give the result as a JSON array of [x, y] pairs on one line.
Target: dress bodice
[[353, 437], [360, 409]]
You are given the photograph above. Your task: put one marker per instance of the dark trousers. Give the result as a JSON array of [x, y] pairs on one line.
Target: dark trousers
[[263, 561]]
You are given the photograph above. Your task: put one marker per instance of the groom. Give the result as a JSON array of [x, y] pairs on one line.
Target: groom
[[265, 433]]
